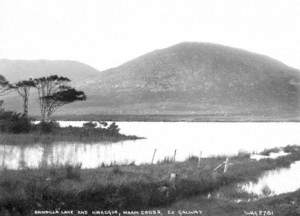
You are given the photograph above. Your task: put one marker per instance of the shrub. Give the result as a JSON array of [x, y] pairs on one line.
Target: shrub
[[73, 172], [113, 129], [192, 158], [103, 123], [266, 191], [116, 170], [12, 122], [243, 154], [267, 152], [47, 127], [90, 125]]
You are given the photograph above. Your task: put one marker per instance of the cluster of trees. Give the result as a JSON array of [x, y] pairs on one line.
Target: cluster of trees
[[53, 92]]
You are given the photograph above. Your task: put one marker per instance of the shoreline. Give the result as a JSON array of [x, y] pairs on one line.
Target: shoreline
[[179, 118], [79, 135], [131, 186]]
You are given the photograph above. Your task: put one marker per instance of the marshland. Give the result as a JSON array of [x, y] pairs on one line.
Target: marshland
[[147, 173], [165, 185]]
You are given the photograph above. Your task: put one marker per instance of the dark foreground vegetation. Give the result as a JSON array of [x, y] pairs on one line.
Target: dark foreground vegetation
[[17, 129], [131, 187], [281, 205]]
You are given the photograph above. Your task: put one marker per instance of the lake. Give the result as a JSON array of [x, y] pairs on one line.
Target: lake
[[187, 138], [275, 182]]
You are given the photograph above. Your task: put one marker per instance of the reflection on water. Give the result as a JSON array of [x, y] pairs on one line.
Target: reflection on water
[[187, 138], [276, 182]]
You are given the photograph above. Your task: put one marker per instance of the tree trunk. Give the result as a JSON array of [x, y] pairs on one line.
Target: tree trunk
[[25, 106], [24, 92], [46, 119], [43, 115]]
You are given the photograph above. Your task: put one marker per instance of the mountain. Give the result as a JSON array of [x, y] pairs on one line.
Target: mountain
[[198, 79], [205, 80], [16, 70]]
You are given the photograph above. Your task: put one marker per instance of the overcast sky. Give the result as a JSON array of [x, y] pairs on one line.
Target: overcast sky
[[106, 33]]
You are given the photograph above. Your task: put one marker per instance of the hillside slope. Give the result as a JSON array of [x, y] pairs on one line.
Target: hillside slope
[[15, 70], [198, 78]]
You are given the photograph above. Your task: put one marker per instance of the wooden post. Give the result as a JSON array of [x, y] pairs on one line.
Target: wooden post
[[172, 180], [199, 161], [174, 157], [3, 157], [226, 165], [219, 166], [153, 156]]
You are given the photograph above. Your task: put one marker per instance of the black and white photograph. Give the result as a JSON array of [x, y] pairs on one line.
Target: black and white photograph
[[150, 107]]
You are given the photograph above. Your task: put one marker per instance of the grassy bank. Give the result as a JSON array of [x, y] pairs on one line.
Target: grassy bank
[[282, 205], [70, 134], [127, 186], [18, 129]]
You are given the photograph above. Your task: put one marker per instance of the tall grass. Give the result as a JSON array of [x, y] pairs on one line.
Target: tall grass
[[126, 186]]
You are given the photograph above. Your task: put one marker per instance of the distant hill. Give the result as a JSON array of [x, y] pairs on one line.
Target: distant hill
[[15, 70], [197, 79]]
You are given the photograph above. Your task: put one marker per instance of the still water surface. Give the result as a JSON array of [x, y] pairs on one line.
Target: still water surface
[[186, 137], [275, 182]]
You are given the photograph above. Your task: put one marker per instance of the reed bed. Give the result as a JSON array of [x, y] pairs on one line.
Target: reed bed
[[127, 186]]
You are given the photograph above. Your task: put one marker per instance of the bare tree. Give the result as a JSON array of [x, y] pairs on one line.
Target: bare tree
[[23, 89], [5, 86], [54, 92]]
